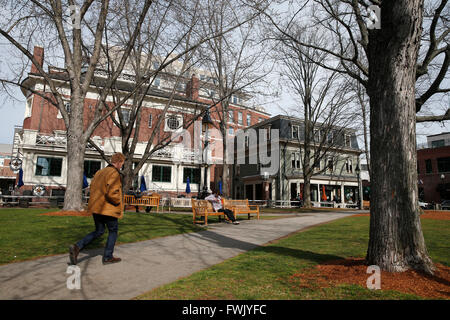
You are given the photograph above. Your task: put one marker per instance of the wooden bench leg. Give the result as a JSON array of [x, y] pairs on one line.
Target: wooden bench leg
[[206, 219]]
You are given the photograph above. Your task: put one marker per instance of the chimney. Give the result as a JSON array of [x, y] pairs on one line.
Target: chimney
[[38, 55], [192, 87]]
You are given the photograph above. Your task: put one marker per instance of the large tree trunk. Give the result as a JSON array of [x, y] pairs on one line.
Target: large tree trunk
[[396, 241], [75, 163]]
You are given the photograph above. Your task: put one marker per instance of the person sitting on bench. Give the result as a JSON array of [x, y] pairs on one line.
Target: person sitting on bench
[[216, 202]]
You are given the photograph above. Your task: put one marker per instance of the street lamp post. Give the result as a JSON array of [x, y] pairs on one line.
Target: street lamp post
[[206, 122], [265, 177], [358, 173]]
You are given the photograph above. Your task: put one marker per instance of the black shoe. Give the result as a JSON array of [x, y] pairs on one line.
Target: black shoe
[[112, 260], [73, 253]]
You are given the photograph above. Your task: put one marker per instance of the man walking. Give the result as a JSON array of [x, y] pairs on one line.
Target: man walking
[[106, 206], [216, 202]]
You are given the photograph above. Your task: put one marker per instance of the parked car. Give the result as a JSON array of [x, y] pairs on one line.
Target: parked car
[[445, 205]]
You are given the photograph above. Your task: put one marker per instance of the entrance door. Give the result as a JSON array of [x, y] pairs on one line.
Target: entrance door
[[293, 190]]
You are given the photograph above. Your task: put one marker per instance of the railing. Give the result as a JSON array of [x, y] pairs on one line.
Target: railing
[[57, 141]]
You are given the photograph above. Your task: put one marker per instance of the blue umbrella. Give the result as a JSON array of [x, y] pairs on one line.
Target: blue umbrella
[[188, 186], [85, 182], [220, 187], [20, 182], [143, 185]]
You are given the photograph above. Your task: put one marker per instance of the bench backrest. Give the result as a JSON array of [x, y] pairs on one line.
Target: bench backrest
[[228, 203], [201, 205], [149, 200]]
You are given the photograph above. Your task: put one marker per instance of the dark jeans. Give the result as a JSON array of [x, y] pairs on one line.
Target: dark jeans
[[229, 214], [100, 221]]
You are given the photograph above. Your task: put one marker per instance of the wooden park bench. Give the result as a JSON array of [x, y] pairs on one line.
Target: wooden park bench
[[144, 201], [366, 204], [241, 207], [204, 208]]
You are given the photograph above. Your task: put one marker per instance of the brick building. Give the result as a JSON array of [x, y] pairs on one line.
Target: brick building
[[41, 141], [433, 166]]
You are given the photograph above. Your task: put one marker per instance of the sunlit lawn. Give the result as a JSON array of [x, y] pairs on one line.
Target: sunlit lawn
[[26, 234], [265, 273]]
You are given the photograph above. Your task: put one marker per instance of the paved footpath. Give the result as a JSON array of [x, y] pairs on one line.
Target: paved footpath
[[147, 264]]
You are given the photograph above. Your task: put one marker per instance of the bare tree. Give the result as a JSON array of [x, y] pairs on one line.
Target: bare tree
[[325, 103], [69, 29], [235, 63], [111, 36], [387, 63]]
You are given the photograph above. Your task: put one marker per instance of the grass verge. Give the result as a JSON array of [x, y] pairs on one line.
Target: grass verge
[[267, 272]]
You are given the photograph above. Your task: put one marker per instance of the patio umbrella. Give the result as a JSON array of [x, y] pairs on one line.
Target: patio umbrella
[[85, 182], [20, 181], [188, 186], [143, 185], [324, 195]]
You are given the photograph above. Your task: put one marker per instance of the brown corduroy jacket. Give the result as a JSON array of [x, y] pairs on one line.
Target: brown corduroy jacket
[[106, 193]]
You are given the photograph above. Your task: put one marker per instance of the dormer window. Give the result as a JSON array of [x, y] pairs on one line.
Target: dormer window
[[295, 132]]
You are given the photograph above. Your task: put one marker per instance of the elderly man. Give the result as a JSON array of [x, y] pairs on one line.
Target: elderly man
[[216, 202], [106, 206]]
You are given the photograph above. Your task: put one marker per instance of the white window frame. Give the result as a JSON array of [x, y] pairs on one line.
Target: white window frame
[[249, 119]]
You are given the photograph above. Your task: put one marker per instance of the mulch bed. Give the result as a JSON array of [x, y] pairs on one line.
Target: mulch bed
[[354, 271], [67, 213], [428, 214]]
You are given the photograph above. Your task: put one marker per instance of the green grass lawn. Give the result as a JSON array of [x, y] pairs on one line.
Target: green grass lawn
[[265, 273], [25, 234]]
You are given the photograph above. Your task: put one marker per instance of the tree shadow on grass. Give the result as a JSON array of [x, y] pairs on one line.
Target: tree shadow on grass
[[228, 242]]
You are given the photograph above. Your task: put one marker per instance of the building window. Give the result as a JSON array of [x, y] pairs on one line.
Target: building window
[[150, 120], [295, 132], [249, 119], [157, 82], [193, 174], [330, 164], [67, 106], [230, 131], [156, 65], [330, 137], [260, 119], [443, 164], [230, 116], [91, 167], [428, 166], [349, 166], [316, 135], [234, 99], [125, 115], [181, 87], [295, 160], [347, 138], [46, 166], [240, 118], [162, 174]]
